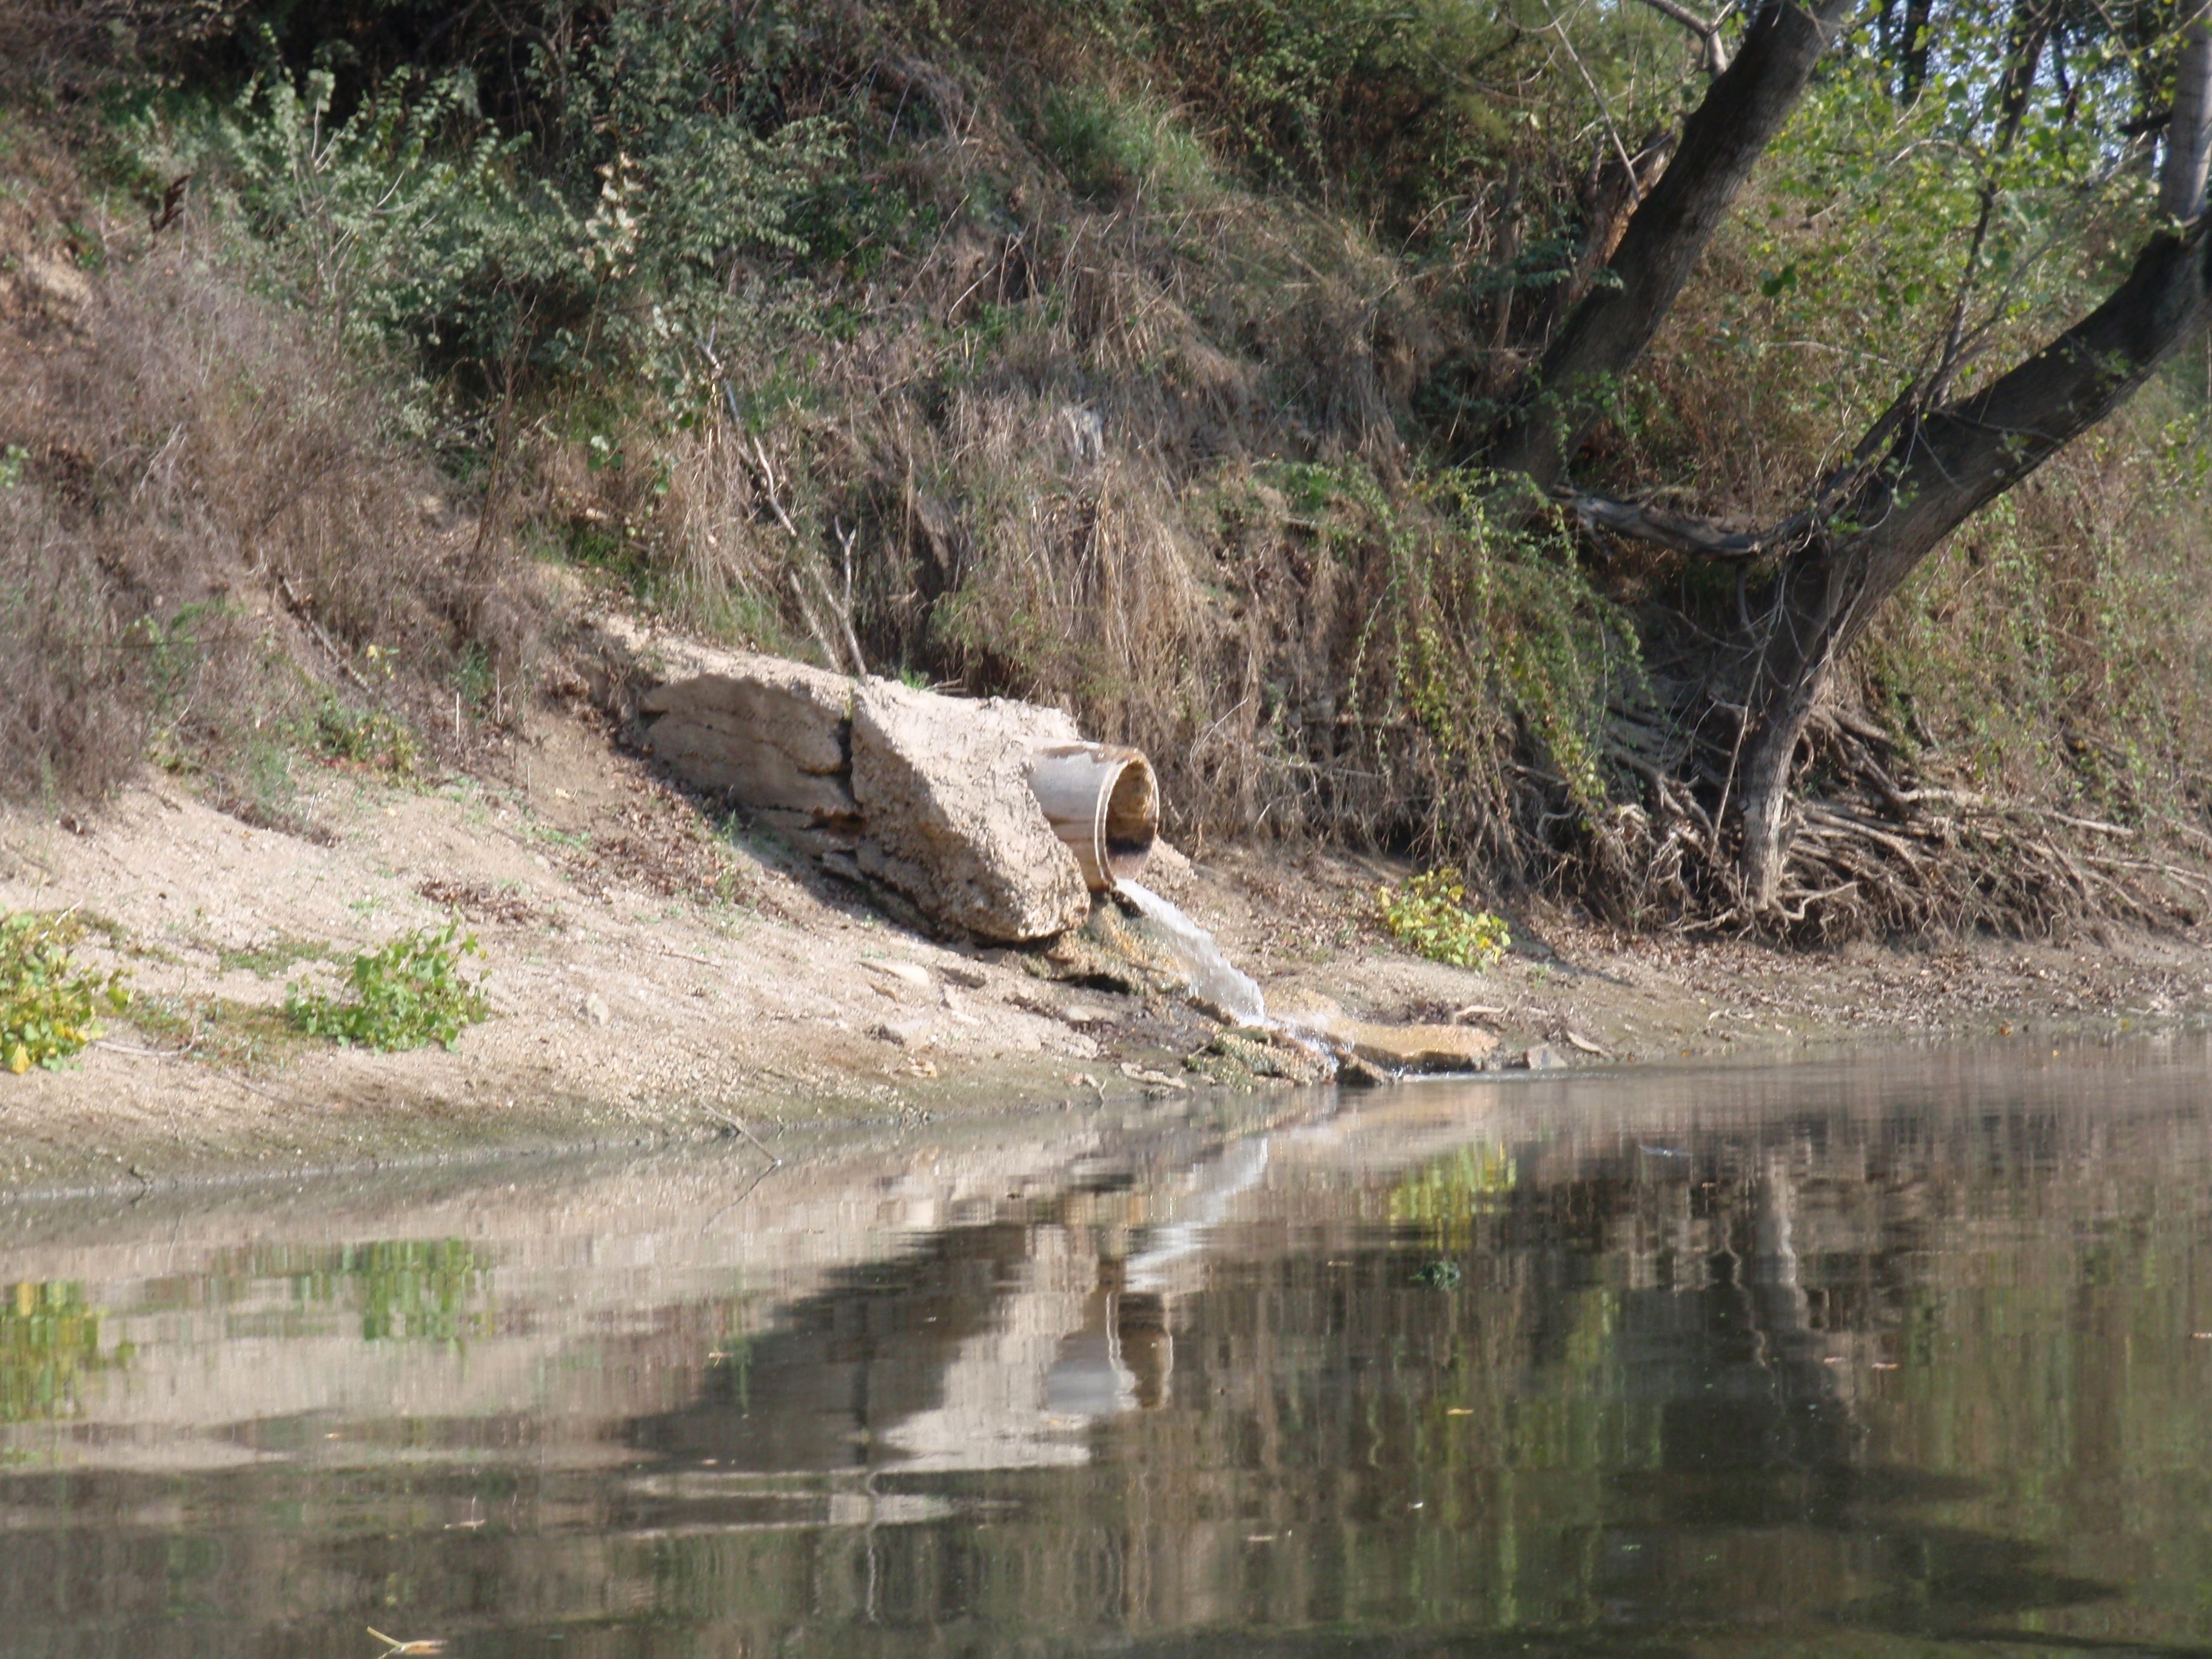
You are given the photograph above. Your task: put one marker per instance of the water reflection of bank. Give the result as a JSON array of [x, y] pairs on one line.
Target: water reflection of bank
[[1908, 1351]]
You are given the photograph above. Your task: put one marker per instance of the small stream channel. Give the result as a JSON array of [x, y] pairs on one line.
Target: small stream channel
[[1906, 1355]]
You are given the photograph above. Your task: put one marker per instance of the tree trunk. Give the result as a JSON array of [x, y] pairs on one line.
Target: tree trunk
[[2188, 134], [1912, 51], [1812, 614], [1741, 111], [1938, 473]]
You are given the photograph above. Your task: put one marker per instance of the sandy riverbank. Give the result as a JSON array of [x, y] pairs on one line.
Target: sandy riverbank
[[652, 979]]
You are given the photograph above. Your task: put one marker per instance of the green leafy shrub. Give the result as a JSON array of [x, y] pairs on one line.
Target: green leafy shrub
[[1429, 914], [599, 240], [408, 993], [47, 1003], [371, 738]]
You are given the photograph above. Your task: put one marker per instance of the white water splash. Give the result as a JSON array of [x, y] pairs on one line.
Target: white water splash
[[1213, 978]]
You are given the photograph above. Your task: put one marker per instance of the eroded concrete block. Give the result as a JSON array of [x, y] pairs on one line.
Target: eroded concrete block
[[942, 788], [927, 795], [772, 734]]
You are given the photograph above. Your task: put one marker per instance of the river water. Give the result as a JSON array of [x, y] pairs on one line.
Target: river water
[[1907, 1356]]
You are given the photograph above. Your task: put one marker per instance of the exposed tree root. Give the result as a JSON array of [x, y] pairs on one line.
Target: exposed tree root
[[1871, 850]]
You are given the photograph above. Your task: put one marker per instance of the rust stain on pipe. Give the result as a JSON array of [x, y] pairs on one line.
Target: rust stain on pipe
[[1104, 802]]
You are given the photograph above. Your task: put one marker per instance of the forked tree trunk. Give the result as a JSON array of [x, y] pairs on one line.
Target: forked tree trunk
[[1943, 465], [1741, 111], [1939, 472]]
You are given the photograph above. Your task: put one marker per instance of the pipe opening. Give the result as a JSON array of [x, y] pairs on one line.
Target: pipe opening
[[1132, 819], [1104, 802]]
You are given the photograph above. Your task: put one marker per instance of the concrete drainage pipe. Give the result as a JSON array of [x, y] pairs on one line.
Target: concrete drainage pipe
[[1104, 802]]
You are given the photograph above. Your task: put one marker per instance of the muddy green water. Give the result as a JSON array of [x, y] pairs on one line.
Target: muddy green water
[[1910, 1356]]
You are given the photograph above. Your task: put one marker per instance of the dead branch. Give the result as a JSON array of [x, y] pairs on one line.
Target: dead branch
[[1699, 537], [299, 605]]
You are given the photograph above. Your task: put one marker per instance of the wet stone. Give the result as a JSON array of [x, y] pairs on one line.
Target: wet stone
[[1244, 1059], [1109, 953], [1420, 1048]]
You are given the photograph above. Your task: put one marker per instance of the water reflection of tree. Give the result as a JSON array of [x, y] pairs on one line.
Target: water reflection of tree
[[1658, 1393]]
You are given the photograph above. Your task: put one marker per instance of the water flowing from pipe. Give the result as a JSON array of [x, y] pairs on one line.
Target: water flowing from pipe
[[1213, 978]]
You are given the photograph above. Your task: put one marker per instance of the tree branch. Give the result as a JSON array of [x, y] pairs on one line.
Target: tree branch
[[1722, 141], [1942, 466], [1708, 31], [1701, 538], [1604, 113], [2032, 24]]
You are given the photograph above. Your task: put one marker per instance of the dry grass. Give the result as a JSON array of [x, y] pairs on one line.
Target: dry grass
[[75, 717], [1037, 459], [1037, 468], [207, 531]]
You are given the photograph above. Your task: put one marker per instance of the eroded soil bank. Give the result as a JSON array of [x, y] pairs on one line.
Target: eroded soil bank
[[654, 977]]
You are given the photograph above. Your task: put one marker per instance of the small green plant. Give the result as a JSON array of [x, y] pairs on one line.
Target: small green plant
[[1429, 914], [408, 993], [1111, 147], [47, 1004], [371, 738]]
